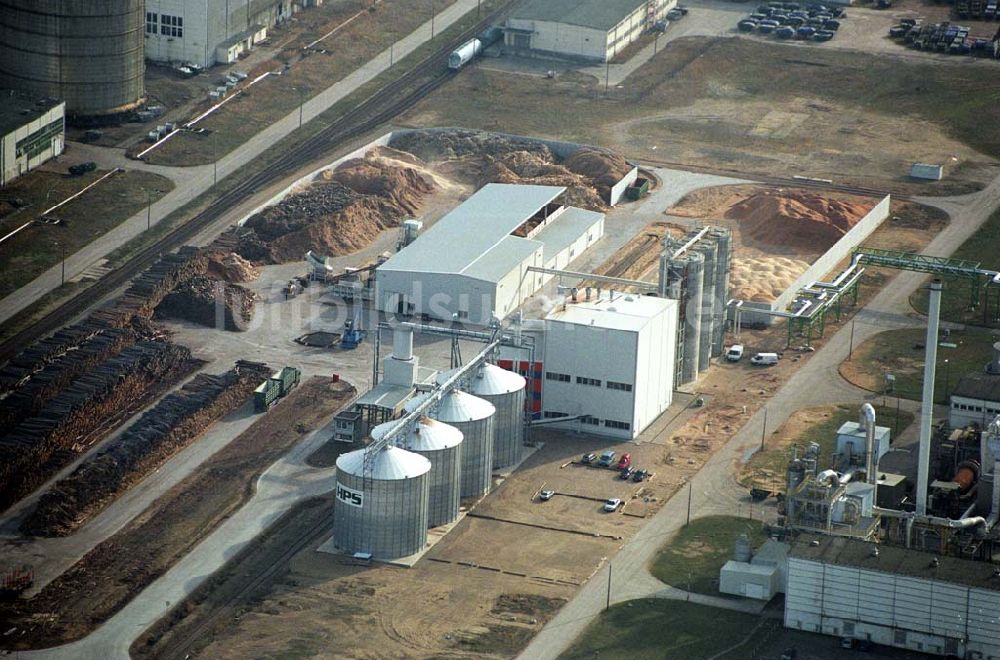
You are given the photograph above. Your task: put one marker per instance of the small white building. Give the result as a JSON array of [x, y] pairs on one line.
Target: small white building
[[472, 264], [206, 32], [893, 596], [609, 363], [761, 578], [32, 131], [581, 29], [976, 397]]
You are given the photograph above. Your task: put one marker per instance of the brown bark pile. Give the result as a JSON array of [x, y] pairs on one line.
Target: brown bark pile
[[171, 425], [211, 303], [41, 444]]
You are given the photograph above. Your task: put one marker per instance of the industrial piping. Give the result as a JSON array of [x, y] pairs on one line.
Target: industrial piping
[[927, 401]]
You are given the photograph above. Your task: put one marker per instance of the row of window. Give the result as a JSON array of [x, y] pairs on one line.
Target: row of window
[[971, 408], [39, 141], [583, 380], [165, 24], [587, 419]]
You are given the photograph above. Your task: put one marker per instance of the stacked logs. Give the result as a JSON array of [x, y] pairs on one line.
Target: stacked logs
[[41, 444], [171, 425], [211, 303]]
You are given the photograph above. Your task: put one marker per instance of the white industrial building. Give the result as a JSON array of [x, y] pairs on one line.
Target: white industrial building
[[976, 397], [609, 363], [473, 264], [581, 29], [31, 132], [893, 596], [760, 576], [206, 32]]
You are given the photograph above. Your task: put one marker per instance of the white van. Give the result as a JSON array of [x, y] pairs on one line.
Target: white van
[[764, 359], [735, 353]]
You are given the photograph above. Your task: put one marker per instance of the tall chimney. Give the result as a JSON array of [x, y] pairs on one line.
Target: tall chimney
[[867, 422], [927, 401]]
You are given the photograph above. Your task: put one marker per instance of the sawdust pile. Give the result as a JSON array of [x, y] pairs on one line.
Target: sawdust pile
[[339, 213], [478, 158], [796, 219], [763, 279], [231, 267]]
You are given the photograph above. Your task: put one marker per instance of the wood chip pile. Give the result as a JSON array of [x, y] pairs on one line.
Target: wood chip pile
[[41, 444], [171, 425], [211, 303]]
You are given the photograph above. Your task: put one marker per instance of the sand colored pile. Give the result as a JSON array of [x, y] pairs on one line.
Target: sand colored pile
[[339, 213], [478, 158], [231, 267], [796, 219], [763, 279]]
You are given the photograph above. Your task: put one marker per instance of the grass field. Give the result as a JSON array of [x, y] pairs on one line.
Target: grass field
[[88, 217], [691, 560], [896, 352], [716, 101], [984, 247], [652, 628], [767, 468]]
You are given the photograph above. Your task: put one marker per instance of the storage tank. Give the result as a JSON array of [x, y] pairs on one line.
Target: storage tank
[[439, 443], [384, 514], [684, 276], [464, 53], [506, 391], [88, 53], [709, 249], [474, 418], [723, 266]]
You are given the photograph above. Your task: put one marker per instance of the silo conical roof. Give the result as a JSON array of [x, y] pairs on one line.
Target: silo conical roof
[[489, 380], [426, 435], [457, 406], [389, 463]]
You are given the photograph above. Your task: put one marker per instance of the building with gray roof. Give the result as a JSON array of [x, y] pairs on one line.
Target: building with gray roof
[[472, 265], [581, 29]]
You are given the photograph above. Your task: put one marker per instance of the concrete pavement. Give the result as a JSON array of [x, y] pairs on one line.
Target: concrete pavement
[[817, 382], [196, 180]]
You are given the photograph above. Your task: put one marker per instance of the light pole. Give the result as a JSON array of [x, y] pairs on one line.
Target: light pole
[[763, 430], [149, 208], [301, 103], [433, 11], [947, 376], [850, 346]]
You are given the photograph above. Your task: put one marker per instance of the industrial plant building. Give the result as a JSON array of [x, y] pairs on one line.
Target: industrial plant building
[[88, 54], [474, 264], [609, 363], [976, 397], [32, 131], [893, 596], [206, 33], [594, 30]]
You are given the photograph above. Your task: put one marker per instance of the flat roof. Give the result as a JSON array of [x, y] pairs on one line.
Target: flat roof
[[629, 312], [597, 14], [844, 551], [18, 108], [569, 226], [478, 226], [390, 396], [979, 386], [498, 262]]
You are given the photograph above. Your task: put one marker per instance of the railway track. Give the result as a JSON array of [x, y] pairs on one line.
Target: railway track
[[382, 106]]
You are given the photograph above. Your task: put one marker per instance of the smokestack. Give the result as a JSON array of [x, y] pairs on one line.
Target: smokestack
[[867, 422], [402, 343], [927, 401]]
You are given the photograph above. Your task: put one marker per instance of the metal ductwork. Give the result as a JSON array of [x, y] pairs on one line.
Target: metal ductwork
[[867, 422], [927, 400]]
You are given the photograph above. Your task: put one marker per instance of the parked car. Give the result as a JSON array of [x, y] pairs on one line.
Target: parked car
[[785, 32], [676, 14], [747, 25], [831, 24], [607, 458], [546, 495], [735, 353], [640, 475], [823, 35], [626, 473], [764, 359], [789, 654], [588, 458], [612, 505], [766, 27], [625, 461], [805, 32]]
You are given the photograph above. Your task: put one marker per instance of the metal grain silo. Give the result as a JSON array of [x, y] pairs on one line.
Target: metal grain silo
[[684, 277], [384, 513], [88, 53], [474, 418], [439, 443], [506, 391], [723, 264], [710, 250]]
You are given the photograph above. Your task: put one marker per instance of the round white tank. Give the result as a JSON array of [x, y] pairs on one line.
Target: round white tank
[[386, 514], [506, 391], [439, 443], [474, 418]]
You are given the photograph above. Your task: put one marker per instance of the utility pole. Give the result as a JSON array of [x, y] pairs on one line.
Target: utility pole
[[763, 430], [149, 207], [607, 77], [607, 602], [690, 488], [433, 11], [62, 252], [301, 103], [215, 157], [850, 346]]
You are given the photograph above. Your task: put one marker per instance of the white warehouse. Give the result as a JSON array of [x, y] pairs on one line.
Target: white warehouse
[[32, 131], [581, 29], [472, 265], [893, 596], [609, 363]]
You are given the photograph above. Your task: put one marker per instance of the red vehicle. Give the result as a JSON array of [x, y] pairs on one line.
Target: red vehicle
[[625, 461]]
